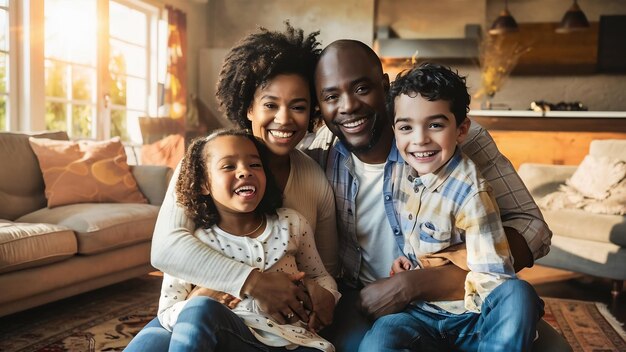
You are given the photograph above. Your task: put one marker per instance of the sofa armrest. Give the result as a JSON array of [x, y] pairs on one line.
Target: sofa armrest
[[152, 181], [542, 179]]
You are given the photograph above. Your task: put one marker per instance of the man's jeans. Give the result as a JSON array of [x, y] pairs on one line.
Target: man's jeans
[[203, 325], [507, 322]]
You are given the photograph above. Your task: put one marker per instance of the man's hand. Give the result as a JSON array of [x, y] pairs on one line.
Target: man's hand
[[399, 265], [386, 296], [323, 305], [393, 294], [278, 295], [226, 299]]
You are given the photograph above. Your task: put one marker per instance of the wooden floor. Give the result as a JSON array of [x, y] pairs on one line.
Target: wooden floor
[[564, 284]]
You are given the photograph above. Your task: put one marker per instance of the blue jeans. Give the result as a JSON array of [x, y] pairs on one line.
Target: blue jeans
[[203, 325], [507, 322]]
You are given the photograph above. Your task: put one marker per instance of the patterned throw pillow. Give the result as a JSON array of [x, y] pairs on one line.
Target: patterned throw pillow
[[85, 172]]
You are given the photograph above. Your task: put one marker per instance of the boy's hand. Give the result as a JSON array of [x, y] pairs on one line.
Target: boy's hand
[[226, 299], [323, 305], [399, 265]]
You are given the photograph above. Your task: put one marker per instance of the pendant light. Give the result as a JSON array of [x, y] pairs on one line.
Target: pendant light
[[505, 23], [573, 20]]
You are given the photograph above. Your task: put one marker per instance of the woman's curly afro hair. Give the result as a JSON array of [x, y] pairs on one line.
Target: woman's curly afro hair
[[258, 58], [194, 175]]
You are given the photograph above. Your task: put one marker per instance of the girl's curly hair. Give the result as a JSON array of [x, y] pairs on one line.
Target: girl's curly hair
[[194, 174], [258, 58]]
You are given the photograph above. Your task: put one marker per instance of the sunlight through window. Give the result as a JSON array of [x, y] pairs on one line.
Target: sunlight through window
[[88, 98], [4, 65]]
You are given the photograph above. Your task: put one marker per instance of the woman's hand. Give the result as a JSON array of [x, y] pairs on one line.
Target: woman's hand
[[323, 305], [226, 299], [279, 295]]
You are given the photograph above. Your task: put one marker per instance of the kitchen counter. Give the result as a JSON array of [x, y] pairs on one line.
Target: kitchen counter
[[553, 137], [573, 121], [554, 114]]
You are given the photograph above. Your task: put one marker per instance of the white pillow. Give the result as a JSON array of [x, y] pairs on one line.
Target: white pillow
[[596, 176]]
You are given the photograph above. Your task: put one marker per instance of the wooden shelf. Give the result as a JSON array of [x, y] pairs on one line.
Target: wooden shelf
[[555, 53]]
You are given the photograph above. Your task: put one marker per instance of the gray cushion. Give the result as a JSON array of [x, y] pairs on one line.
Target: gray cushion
[[589, 257], [24, 245], [584, 225], [102, 226]]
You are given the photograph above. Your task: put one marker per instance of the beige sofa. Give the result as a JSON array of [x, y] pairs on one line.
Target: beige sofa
[[49, 254], [593, 244]]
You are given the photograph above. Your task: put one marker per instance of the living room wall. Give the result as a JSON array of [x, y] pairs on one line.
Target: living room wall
[[229, 20], [599, 92]]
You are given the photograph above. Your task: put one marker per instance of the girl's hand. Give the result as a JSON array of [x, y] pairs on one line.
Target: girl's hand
[[226, 299], [399, 265], [323, 305]]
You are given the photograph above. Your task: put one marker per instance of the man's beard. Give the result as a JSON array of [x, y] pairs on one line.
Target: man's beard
[[375, 135]]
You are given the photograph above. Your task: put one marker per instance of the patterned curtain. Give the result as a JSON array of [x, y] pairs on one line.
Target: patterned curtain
[[176, 80]]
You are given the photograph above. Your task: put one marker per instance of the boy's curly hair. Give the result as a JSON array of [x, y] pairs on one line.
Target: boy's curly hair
[[433, 82], [194, 174], [258, 58]]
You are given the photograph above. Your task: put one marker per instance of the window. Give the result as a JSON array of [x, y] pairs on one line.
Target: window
[[5, 66], [70, 66], [97, 83], [129, 69]]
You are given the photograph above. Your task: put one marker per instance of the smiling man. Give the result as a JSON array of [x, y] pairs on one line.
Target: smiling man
[[358, 152]]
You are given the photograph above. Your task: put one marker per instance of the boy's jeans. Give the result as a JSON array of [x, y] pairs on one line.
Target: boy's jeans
[[507, 322]]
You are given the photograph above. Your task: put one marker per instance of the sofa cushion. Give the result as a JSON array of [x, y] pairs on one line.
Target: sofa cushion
[[581, 224], [100, 227], [24, 245], [21, 182], [86, 172], [614, 148]]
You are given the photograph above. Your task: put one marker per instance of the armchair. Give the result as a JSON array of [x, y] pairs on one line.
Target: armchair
[[592, 244]]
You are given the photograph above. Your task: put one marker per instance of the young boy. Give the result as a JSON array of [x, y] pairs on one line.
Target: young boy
[[443, 205]]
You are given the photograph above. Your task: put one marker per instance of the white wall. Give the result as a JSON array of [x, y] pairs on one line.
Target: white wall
[[232, 19], [430, 19]]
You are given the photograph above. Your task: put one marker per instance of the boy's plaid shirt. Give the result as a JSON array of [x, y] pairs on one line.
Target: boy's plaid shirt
[[451, 206]]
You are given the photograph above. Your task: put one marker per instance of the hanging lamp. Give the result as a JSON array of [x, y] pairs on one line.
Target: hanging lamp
[[505, 23], [573, 20]]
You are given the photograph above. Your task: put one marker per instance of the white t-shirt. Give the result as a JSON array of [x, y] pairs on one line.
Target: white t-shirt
[[372, 227]]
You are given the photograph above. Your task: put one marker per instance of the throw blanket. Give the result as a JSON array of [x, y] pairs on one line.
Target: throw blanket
[[597, 186]]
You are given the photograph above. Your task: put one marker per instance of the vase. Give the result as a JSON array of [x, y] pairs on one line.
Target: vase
[[487, 103]]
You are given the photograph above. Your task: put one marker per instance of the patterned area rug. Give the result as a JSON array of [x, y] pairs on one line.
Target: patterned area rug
[[107, 319], [587, 326]]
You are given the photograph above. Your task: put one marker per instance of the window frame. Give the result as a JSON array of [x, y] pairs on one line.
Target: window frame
[[12, 82], [29, 38]]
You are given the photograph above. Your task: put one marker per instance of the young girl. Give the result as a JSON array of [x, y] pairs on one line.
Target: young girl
[[226, 189]]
